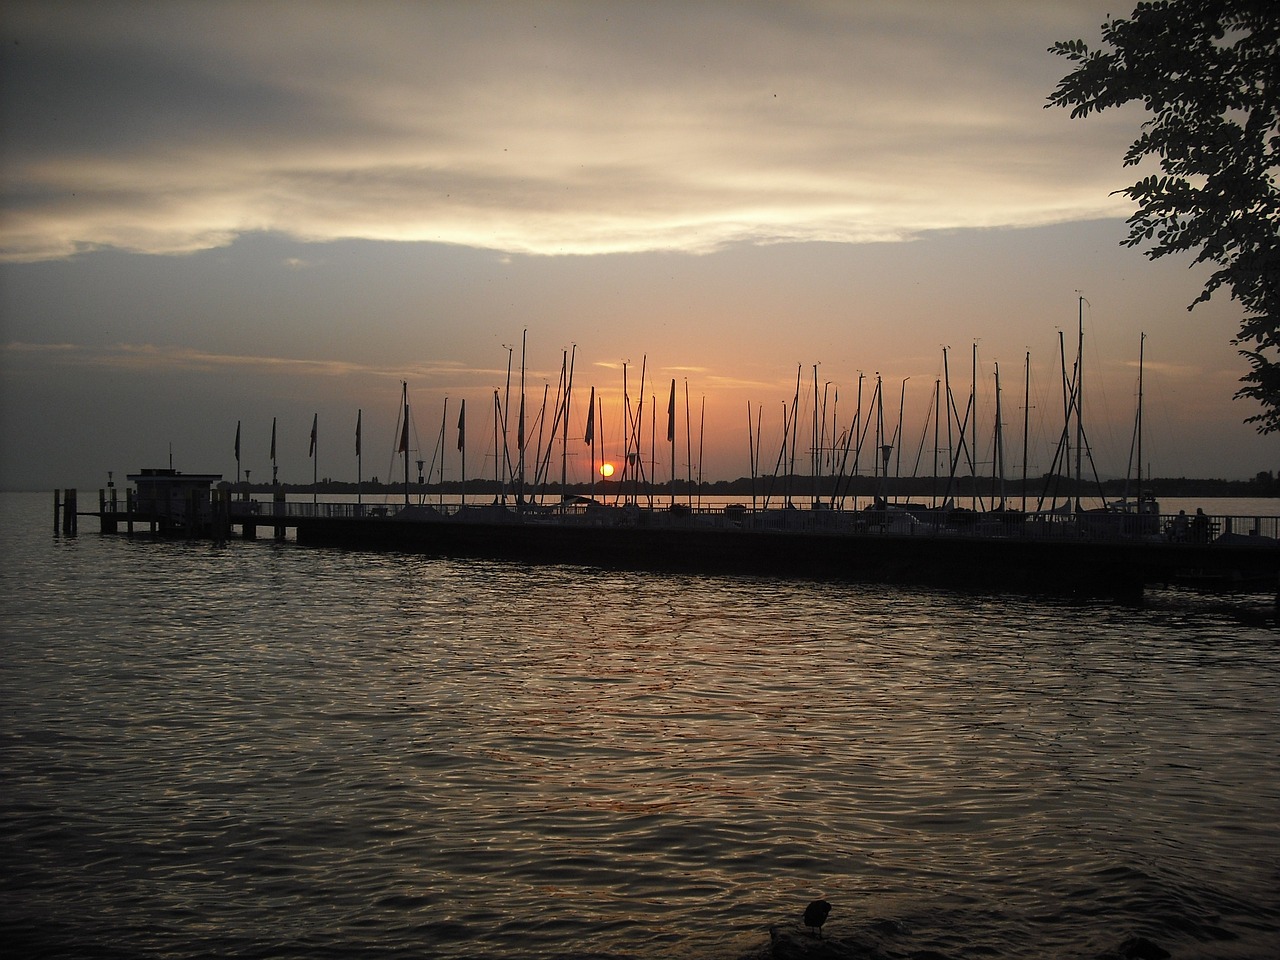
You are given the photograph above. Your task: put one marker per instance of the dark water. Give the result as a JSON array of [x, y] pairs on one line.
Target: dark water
[[261, 750]]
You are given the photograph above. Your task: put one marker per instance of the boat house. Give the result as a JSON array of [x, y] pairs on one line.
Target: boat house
[[173, 500]]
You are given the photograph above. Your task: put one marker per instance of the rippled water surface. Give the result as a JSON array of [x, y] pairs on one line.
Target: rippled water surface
[[262, 750]]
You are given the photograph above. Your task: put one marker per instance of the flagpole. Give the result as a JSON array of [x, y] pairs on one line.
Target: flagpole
[[315, 461], [359, 471], [671, 436], [274, 481], [462, 446], [444, 420], [591, 438], [404, 438], [237, 453]]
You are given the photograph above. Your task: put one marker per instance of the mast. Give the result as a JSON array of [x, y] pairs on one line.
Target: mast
[[564, 429], [524, 337], [702, 426], [462, 447], [937, 412], [814, 444], [902, 403], [859, 430], [590, 438], [885, 450], [688, 441], [404, 438], [795, 430], [444, 425], [497, 457], [1142, 342], [1026, 421], [1079, 398], [973, 427], [998, 456], [359, 470], [315, 461], [671, 437], [505, 407]]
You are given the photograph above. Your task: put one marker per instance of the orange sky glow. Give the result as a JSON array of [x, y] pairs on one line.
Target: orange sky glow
[[225, 213]]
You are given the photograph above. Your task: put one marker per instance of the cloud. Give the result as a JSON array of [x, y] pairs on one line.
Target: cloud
[[155, 358], [561, 128]]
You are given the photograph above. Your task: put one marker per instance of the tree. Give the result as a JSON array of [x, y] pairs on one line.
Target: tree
[[1208, 72]]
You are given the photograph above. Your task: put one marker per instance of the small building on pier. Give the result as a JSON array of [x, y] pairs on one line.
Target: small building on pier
[[172, 500]]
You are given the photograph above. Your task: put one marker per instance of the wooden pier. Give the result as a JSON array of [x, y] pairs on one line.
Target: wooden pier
[[1087, 554]]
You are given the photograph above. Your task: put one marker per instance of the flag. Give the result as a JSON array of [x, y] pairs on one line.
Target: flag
[[237, 441], [462, 424], [589, 437], [358, 412], [671, 414], [315, 422], [404, 437], [273, 439], [520, 426]]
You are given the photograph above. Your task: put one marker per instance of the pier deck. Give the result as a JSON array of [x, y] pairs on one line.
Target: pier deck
[[1088, 554]]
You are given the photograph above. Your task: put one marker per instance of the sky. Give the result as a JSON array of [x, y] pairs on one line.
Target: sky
[[216, 215]]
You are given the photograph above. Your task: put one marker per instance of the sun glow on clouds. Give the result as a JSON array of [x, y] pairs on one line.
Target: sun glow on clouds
[[553, 129], [139, 357]]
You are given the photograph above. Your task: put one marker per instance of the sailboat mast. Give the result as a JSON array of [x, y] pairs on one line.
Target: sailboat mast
[[524, 339], [688, 440], [998, 465], [497, 422], [1079, 400], [564, 430], [444, 426], [404, 437], [1026, 422], [814, 444], [973, 428], [671, 437], [937, 411], [1142, 343], [506, 428]]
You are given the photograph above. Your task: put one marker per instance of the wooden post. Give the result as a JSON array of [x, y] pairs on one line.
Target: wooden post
[[277, 507], [57, 509], [106, 518], [69, 511], [128, 511]]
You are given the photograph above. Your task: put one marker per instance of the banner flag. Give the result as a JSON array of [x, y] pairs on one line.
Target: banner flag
[[671, 414]]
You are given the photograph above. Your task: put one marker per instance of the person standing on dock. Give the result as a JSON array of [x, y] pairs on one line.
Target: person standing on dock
[[1199, 527]]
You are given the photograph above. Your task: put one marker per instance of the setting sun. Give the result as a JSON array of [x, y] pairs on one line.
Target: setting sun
[[606, 470]]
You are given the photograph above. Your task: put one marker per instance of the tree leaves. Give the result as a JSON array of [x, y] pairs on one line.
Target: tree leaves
[[1208, 73]]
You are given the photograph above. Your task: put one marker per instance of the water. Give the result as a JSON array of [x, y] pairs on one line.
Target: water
[[261, 750]]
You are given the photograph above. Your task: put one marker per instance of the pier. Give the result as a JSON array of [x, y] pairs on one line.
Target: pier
[[1090, 553]]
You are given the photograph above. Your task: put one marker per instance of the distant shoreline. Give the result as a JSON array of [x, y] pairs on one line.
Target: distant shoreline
[[1265, 485]]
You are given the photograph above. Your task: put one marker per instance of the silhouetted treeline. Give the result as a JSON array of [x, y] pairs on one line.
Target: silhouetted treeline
[[1264, 484]]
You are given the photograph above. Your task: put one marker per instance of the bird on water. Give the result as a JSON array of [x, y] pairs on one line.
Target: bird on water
[[815, 915]]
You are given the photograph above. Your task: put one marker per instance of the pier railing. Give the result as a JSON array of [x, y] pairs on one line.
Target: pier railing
[[1262, 531]]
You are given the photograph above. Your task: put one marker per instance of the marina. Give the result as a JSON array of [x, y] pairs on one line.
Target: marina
[[1090, 553]]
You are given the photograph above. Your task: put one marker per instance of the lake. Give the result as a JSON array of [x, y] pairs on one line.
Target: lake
[[263, 750]]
